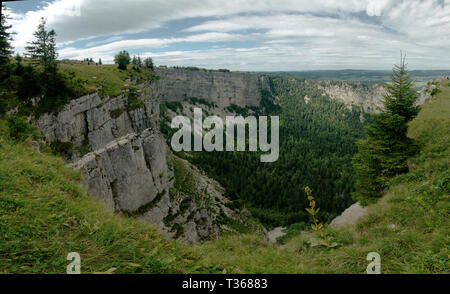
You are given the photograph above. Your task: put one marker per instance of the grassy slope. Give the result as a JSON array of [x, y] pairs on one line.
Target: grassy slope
[[108, 76], [409, 227], [44, 215]]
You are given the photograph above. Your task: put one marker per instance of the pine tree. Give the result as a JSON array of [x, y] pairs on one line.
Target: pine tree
[[384, 152], [5, 66], [137, 63], [43, 47], [148, 62], [5, 39], [122, 59], [100, 61]]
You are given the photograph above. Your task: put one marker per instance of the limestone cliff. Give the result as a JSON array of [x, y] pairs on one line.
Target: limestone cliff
[[222, 88], [244, 89], [125, 162], [368, 97]]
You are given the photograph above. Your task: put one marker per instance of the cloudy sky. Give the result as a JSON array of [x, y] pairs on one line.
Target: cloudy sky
[[247, 35]]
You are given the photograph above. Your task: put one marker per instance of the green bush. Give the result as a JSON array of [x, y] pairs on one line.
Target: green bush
[[174, 106], [63, 148], [292, 231], [19, 128], [122, 59]]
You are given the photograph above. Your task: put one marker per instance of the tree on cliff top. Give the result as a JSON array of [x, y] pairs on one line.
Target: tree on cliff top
[[43, 47], [122, 59], [148, 62], [384, 152]]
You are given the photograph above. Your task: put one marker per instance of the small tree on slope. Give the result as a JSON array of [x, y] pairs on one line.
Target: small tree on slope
[[384, 152]]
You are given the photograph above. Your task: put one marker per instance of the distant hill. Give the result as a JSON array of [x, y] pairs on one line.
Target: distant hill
[[365, 76]]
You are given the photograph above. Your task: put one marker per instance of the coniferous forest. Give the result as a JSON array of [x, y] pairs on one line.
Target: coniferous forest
[[317, 143]]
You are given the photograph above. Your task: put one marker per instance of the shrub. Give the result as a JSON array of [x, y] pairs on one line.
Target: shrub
[[133, 100], [62, 148], [19, 128], [122, 59], [148, 63]]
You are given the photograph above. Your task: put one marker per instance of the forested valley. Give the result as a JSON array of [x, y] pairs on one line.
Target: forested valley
[[317, 143]]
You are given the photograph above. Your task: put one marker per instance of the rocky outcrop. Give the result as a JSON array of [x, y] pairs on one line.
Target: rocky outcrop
[[129, 172], [244, 89], [118, 147], [350, 216], [369, 98], [125, 162], [222, 88]]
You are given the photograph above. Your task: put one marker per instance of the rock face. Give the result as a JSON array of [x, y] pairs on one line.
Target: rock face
[[222, 88], [350, 216], [369, 98], [125, 161], [196, 209], [244, 89]]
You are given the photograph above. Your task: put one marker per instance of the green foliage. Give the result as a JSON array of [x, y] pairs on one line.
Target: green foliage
[[122, 59], [434, 92], [64, 149], [5, 40], [238, 110], [409, 228], [20, 128], [56, 93], [44, 215], [201, 101], [148, 63], [317, 142], [106, 79], [383, 154], [175, 106], [43, 47], [115, 113], [292, 231], [194, 68], [137, 63], [133, 101], [84, 148], [316, 225], [165, 121]]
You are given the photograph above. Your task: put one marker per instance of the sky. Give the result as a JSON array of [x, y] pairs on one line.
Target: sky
[[246, 35]]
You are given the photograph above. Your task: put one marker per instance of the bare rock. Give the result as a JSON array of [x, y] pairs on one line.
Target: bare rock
[[350, 216]]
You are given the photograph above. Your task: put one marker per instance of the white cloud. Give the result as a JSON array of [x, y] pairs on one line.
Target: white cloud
[[328, 33], [108, 50]]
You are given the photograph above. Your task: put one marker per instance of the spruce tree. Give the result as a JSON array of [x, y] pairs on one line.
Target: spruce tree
[[5, 41], [384, 152], [122, 59], [55, 92], [148, 62], [43, 47]]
